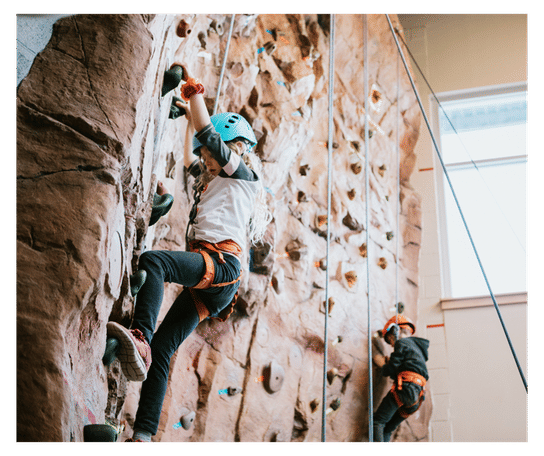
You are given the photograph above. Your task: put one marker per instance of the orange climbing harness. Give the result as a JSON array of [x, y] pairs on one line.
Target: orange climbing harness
[[410, 377], [204, 248]]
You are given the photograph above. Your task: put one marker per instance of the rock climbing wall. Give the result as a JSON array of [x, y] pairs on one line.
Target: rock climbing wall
[[93, 139]]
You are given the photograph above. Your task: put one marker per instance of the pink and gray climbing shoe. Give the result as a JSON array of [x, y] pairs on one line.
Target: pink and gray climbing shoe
[[134, 351]]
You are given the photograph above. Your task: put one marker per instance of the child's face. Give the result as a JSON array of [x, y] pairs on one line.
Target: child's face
[[210, 162]]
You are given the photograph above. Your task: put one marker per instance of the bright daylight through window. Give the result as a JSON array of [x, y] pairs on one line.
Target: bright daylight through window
[[485, 155]]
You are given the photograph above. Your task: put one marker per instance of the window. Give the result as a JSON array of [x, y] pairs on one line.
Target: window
[[485, 156]]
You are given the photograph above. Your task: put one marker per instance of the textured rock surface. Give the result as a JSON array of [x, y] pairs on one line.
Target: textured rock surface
[[93, 139]]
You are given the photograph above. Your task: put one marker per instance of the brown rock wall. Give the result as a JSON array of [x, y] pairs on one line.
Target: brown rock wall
[[93, 140]]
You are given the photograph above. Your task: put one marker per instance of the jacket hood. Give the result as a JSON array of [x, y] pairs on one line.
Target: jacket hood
[[423, 345]]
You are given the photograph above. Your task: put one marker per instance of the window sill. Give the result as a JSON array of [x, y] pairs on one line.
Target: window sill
[[483, 301]]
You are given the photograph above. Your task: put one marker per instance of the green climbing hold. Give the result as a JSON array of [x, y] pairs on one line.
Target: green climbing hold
[[176, 111], [161, 205], [136, 281]]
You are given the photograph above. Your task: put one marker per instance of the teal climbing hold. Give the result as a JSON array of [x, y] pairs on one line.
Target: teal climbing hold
[[136, 281], [161, 205]]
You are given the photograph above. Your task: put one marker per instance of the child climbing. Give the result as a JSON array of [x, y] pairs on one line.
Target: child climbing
[[229, 204], [406, 366]]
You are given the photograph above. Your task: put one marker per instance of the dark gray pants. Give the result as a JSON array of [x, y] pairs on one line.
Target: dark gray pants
[[184, 268]]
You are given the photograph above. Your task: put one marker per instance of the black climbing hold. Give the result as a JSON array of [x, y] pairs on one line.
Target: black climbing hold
[[233, 390], [136, 281], [99, 433], [172, 79], [112, 346], [176, 111], [161, 205]]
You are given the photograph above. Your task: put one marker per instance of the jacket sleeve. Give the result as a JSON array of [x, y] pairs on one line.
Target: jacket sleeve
[[231, 163], [393, 367]]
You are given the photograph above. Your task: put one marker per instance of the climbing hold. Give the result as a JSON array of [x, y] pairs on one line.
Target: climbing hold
[[363, 250], [303, 170], [99, 433], [376, 99], [301, 197], [112, 347], [321, 222], [217, 27], [278, 281], [356, 167], [187, 419], [335, 405], [351, 278], [337, 340], [331, 305], [161, 205], [282, 84], [202, 39], [183, 29], [323, 264], [172, 79], [332, 374], [273, 377], [295, 250], [136, 281], [175, 110], [233, 390], [270, 47], [400, 307], [351, 194], [351, 223], [389, 235], [381, 170], [382, 263]]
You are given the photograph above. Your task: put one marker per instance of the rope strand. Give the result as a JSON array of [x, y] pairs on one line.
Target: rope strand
[[367, 224], [329, 191], [220, 83]]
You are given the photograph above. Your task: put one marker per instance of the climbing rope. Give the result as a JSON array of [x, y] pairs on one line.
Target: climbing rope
[[401, 54], [216, 104], [367, 212], [329, 192], [397, 233]]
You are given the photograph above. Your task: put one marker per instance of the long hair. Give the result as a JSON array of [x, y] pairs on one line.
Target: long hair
[[261, 215]]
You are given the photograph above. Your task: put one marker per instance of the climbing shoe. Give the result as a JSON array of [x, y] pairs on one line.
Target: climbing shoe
[[161, 205], [134, 352], [136, 281]]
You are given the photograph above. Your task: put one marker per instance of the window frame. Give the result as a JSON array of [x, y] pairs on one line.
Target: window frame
[[439, 178]]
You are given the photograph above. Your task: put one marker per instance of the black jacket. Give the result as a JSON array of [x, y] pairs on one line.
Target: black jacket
[[410, 354]]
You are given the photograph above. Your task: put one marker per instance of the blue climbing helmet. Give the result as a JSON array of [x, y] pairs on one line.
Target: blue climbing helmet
[[230, 126]]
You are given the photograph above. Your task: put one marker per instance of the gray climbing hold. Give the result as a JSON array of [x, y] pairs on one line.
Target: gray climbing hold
[[187, 420], [273, 377]]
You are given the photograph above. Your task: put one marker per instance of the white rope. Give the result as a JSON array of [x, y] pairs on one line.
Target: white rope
[[367, 224], [216, 104], [329, 191]]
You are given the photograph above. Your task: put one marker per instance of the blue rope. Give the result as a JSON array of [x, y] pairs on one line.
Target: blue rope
[[457, 204]]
